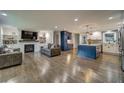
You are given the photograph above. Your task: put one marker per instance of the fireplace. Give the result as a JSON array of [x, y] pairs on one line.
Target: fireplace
[[29, 48]]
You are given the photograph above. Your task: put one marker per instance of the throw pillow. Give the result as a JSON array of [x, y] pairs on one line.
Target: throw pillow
[[53, 46], [49, 46]]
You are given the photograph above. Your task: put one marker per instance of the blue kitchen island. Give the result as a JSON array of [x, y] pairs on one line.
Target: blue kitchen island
[[89, 50]]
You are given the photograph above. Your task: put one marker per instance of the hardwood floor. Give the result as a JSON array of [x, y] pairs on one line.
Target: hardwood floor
[[66, 68]]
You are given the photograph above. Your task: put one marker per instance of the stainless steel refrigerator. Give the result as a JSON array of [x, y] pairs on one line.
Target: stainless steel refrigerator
[[121, 46]]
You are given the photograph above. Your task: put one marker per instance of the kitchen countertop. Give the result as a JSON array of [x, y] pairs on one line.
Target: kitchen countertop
[[91, 44]]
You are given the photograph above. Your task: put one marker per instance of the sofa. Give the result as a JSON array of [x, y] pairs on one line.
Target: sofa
[[10, 59], [51, 50]]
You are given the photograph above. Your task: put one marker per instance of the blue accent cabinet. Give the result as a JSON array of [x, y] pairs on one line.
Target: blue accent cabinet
[[64, 37]]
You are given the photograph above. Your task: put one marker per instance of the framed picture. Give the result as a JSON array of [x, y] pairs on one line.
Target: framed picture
[[42, 39]]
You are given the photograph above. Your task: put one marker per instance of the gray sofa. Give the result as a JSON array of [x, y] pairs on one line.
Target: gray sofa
[[10, 59], [51, 51]]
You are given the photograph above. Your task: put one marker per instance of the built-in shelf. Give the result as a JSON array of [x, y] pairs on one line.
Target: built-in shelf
[[10, 39], [28, 41]]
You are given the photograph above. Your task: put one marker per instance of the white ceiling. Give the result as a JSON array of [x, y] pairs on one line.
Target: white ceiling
[[64, 19]]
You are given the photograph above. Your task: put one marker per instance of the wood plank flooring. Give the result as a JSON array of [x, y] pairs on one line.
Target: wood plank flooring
[[66, 68]]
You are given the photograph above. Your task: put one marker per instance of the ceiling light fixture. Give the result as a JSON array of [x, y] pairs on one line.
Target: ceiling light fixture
[[4, 14], [76, 19], [110, 18], [56, 27]]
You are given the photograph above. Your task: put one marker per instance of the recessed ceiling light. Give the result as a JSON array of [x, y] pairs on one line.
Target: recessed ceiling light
[[110, 18], [56, 27], [4, 14], [76, 19]]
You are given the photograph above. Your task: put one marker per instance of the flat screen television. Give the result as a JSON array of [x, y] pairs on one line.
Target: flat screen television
[[28, 35]]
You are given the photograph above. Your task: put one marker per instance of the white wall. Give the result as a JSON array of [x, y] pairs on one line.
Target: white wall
[[49, 37], [9, 30], [57, 33], [76, 40]]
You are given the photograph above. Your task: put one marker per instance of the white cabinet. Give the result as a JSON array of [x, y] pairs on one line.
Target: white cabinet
[[110, 42], [111, 48]]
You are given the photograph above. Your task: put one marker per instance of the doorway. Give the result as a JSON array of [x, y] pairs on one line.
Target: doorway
[[76, 40]]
